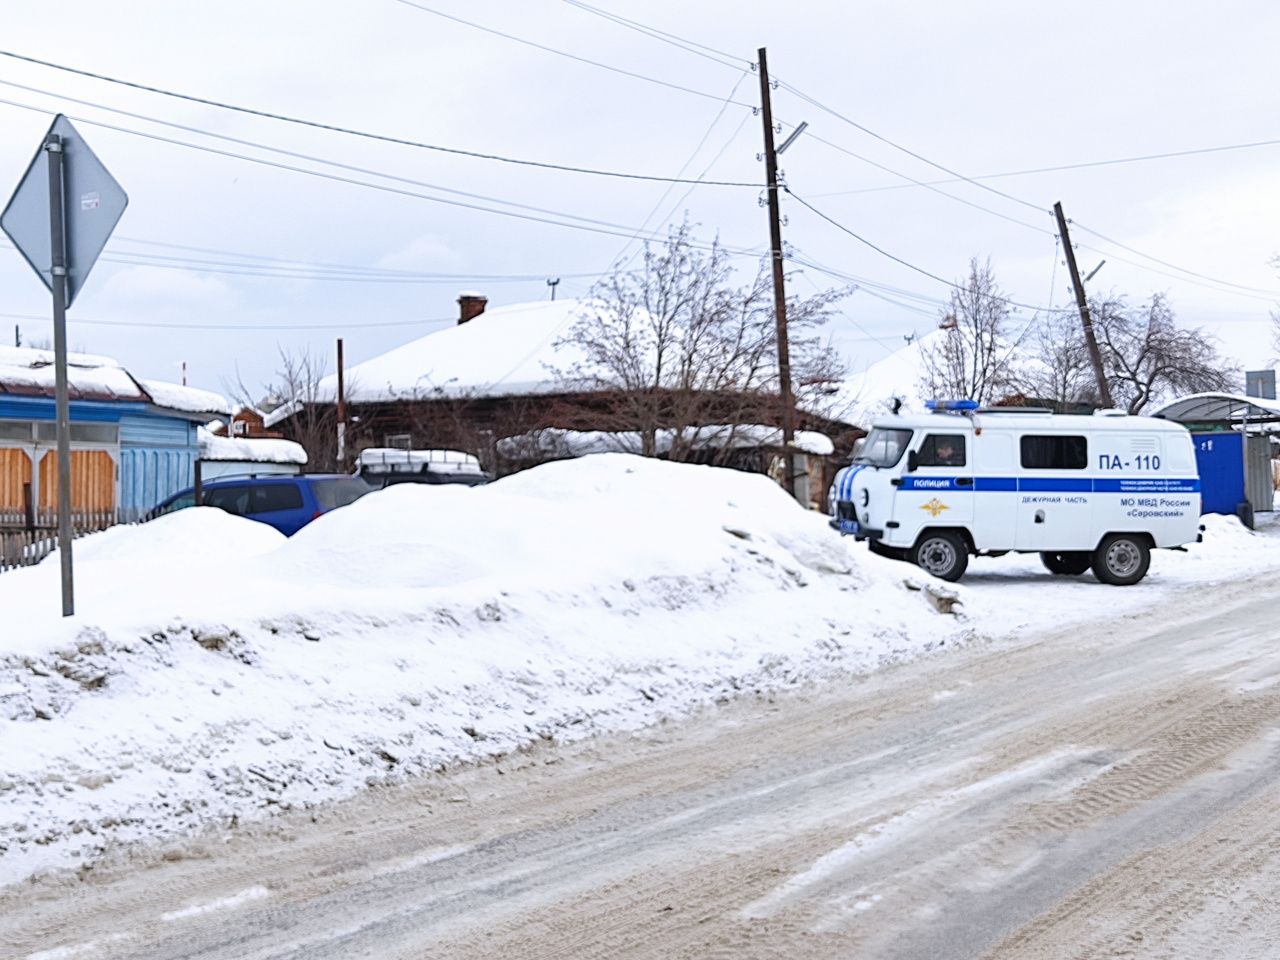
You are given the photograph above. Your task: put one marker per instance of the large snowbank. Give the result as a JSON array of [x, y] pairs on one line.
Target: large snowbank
[[216, 670]]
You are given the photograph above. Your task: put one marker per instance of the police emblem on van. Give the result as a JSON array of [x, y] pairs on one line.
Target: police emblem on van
[[935, 507]]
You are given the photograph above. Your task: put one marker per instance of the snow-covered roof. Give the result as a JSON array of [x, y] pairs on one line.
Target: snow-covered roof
[[174, 396], [1220, 408], [28, 372], [868, 394], [505, 351], [242, 450], [580, 443]]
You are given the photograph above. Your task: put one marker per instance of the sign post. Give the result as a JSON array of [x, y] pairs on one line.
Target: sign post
[[60, 217]]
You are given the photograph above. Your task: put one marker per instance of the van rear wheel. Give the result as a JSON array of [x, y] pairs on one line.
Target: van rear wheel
[[1121, 559], [1067, 563], [942, 554]]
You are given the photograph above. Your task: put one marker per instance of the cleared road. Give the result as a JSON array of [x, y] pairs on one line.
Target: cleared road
[[1103, 792]]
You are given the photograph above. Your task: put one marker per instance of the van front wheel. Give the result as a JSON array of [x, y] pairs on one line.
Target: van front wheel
[[1121, 559], [1067, 563], [942, 554]]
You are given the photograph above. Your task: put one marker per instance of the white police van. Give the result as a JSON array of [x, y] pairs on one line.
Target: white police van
[[1084, 492]]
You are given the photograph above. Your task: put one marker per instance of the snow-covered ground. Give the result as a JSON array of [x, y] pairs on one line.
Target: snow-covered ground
[[216, 671]]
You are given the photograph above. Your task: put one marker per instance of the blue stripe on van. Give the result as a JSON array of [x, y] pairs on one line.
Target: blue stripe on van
[[1056, 484]]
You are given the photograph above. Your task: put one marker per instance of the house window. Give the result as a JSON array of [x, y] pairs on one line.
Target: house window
[[1054, 453], [15, 430], [400, 441], [239, 428]]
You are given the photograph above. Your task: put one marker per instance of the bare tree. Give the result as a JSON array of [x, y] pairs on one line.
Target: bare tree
[[676, 349], [973, 356], [1147, 355], [1057, 368], [314, 422]]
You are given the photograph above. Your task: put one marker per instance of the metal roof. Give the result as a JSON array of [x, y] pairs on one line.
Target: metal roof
[[1221, 408]]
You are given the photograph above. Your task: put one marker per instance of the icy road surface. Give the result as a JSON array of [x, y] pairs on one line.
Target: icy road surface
[[1102, 792]]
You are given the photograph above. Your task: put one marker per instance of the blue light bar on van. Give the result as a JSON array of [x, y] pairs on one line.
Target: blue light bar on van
[[951, 406]]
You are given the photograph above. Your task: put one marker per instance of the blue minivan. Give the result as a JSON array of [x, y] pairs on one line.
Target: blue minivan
[[287, 503]]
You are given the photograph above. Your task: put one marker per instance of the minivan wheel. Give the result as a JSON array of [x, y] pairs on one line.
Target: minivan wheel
[[1121, 559], [942, 554], [1067, 563]]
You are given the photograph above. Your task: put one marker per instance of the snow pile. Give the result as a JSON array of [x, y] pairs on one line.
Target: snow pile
[[216, 670]]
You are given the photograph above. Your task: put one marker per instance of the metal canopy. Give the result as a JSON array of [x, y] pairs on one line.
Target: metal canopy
[[93, 204], [1221, 408]]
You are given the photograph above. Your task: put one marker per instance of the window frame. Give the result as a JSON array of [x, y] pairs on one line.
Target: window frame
[[1063, 448]]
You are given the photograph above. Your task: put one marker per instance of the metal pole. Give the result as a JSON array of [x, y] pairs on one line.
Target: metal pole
[[779, 279], [1095, 355], [342, 410], [58, 282]]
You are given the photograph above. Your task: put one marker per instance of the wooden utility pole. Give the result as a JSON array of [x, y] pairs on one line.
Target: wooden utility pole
[[342, 410], [779, 285], [1095, 355]]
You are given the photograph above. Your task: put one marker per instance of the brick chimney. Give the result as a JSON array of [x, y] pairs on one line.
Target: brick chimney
[[470, 306]]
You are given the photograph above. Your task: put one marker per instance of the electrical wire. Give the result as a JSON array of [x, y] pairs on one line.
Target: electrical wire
[[896, 259], [611, 230], [238, 327], [681, 43], [1060, 167], [367, 135], [571, 56], [1272, 294]]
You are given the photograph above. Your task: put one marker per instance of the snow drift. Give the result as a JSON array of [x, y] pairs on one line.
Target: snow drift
[[216, 670]]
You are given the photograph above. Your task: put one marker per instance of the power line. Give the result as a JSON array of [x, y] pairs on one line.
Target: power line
[[1059, 168], [383, 138], [571, 56], [616, 230], [1271, 294], [241, 327], [682, 43], [906, 263], [339, 267]]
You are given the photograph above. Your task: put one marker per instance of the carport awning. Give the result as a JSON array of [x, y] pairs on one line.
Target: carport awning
[[1223, 408]]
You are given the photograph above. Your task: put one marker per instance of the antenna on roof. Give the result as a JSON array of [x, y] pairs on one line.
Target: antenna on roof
[[552, 284]]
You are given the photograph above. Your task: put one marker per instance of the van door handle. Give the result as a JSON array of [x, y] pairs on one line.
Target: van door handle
[[964, 481]]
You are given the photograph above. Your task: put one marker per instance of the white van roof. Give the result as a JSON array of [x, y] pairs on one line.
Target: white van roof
[[1013, 418]]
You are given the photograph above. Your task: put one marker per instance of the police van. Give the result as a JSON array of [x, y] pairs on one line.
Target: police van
[[1084, 492]]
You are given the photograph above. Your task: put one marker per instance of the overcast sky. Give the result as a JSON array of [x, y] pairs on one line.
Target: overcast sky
[[980, 88]]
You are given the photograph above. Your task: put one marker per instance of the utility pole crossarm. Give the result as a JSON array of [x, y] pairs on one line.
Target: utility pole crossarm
[[1091, 341]]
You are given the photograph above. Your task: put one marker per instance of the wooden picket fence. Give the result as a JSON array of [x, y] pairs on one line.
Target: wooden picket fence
[[26, 539]]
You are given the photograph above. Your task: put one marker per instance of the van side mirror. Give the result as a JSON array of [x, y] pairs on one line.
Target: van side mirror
[[913, 461]]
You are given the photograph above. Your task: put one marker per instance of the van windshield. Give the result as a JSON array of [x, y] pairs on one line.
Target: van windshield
[[883, 447]]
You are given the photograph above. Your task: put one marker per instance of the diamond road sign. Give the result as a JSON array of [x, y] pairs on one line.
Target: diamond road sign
[[92, 204]]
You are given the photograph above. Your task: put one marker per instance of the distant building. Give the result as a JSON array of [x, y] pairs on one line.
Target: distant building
[[133, 441], [510, 374], [243, 457]]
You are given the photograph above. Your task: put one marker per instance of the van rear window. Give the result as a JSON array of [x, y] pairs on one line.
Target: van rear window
[[1054, 452]]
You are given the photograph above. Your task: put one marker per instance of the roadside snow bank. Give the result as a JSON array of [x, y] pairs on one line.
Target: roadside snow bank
[[217, 671]]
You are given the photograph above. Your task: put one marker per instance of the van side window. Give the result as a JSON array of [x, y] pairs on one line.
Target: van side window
[[942, 450], [276, 496], [1056, 452]]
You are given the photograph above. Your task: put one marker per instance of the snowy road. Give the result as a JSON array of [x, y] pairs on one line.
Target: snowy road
[[1101, 792]]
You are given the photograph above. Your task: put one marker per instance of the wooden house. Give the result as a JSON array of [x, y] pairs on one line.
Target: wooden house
[[133, 441]]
